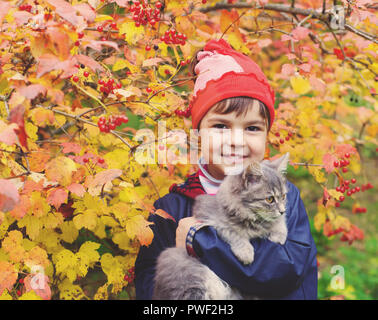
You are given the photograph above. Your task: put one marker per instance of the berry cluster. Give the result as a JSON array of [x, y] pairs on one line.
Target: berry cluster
[[359, 210], [343, 163], [108, 86], [105, 125], [183, 113], [145, 14], [173, 37], [25, 7], [130, 276], [287, 138], [346, 185]]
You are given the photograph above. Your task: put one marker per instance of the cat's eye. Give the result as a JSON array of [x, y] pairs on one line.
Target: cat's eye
[[270, 199]]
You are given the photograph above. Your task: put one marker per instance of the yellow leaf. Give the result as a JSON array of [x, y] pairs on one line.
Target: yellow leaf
[[60, 169], [319, 220], [132, 33], [120, 64], [139, 227], [31, 295], [88, 220], [300, 85], [69, 291], [103, 17]]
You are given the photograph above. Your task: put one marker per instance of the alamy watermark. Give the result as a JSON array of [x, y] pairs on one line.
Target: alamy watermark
[[220, 146], [337, 17]]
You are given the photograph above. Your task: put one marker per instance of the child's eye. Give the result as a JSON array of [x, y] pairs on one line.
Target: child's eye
[[270, 199], [219, 126], [253, 128]]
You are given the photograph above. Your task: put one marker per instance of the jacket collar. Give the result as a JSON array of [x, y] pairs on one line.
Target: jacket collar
[[191, 188]]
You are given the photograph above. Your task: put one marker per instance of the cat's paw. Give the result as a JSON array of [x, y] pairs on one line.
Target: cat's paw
[[278, 237], [244, 252]]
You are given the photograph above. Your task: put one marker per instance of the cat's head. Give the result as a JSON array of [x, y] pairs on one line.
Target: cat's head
[[260, 188]]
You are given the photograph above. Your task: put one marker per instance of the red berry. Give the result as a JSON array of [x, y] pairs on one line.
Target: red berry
[[86, 73], [158, 5], [147, 48], [287, 138], [347, 155], [113, 25], [75, 79], [100, 28], [346, 182], [85, 160], [80, 35], [349, 193], [277, 134], [338, 189], [353, 180], [204, 1], [100, 160], [337, 204], [125, 119], [345, 170], [342, 198], [342, 189], [18, 292], [77, 43], [282, 141], [336, 164], [358, 189], [148, 89]]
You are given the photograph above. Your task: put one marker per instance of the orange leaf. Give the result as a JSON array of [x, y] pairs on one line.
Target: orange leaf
[[164, 214], [9, 196], [8, 276], [37, 160], [56, 197], [77, 189], [138, 226], [104, 177], [7, 133]]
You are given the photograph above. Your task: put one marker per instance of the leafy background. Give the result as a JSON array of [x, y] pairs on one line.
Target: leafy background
[[74, 195]]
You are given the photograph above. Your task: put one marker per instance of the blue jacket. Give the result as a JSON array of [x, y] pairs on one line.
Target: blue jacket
[[286, 271]]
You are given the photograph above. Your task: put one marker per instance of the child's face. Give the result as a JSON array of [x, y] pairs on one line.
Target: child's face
[[229, 142]]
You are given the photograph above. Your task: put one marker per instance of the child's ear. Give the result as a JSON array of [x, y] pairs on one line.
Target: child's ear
[[252, 173], [280, 164]]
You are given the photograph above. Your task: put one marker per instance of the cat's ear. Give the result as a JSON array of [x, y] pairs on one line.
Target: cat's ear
[[280, 164], [252, 172]]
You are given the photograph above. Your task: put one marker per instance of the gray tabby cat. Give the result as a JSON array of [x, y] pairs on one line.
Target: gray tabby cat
[[248, 205]]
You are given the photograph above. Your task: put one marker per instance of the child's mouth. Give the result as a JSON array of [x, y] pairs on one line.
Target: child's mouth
[[233, 158]]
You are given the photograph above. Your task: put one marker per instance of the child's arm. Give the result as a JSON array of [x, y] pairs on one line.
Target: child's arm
[[277, 270], [164, 236]]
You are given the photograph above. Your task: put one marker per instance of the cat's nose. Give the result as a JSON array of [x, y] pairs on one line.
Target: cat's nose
[[282, 212]]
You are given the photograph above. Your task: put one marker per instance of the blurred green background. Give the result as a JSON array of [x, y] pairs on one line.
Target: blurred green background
[[359, 261]]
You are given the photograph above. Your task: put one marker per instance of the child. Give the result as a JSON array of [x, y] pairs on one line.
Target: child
[[231, 92]]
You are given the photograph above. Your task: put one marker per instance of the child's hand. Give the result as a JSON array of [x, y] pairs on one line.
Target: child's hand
[[183, 229]]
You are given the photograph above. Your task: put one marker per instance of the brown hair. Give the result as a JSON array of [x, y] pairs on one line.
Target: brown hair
[[240, 105]]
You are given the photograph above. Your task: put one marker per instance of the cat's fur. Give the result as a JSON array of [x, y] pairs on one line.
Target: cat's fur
[[239, 212]]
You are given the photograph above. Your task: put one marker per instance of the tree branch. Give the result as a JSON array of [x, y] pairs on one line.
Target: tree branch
[[317, 14]]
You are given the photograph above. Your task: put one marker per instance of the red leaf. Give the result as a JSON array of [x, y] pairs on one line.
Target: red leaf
[[342, 149], [328, 160], [17, 116]]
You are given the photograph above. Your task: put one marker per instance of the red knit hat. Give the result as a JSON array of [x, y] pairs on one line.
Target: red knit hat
[[223, 72]]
